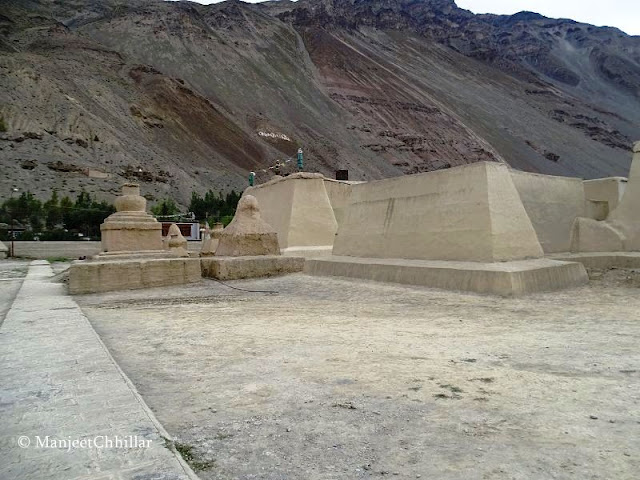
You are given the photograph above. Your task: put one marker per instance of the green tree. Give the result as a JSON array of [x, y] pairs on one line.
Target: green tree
[[25, 209], [52, 212], [165, 208], [214, 206], [85, 214], [66, 210], [197, 205]]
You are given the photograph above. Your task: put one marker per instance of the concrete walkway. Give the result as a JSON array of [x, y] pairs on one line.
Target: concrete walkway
[[67, 411], [12, 273]]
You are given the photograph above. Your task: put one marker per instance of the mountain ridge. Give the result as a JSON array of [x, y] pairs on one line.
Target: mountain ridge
[[183, 96]]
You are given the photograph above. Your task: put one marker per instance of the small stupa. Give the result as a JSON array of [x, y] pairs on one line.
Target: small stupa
[[133, 255], [248, 248], [131, 229], [211, 240], [175, 242], [248, 234]]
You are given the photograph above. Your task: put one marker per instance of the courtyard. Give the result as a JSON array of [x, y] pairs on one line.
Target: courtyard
[[328, 378], [300, 377]]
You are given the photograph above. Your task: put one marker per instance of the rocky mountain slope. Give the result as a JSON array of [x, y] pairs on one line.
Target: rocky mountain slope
[[183, 96]]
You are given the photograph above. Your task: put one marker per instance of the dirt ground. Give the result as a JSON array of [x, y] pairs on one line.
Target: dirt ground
[[342, 379]]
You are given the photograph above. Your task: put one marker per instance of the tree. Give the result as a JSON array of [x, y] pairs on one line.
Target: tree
[[66, 211], [165, 208], [25, 209], [62, 218], [85, 215], [52, 212], [214, 206]]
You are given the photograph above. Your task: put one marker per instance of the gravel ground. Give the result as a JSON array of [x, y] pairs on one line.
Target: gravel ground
[[342, 379]]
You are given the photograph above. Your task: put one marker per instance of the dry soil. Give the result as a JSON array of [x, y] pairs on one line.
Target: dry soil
[[339, 379]]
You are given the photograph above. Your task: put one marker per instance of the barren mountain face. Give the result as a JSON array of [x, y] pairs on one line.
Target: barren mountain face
[[182, 96]]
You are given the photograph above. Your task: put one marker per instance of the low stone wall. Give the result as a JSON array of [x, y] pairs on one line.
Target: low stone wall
[[110, 275], [71, 250], [44, 250], [233, 268], [507, 279]]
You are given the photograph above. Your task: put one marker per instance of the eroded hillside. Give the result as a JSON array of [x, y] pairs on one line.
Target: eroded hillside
[[183, 97]]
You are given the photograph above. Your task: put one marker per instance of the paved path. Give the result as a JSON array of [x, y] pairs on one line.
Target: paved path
[[58, 380], [12, 272]]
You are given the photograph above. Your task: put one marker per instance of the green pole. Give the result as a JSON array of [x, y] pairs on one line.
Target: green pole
[[300, 161]]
